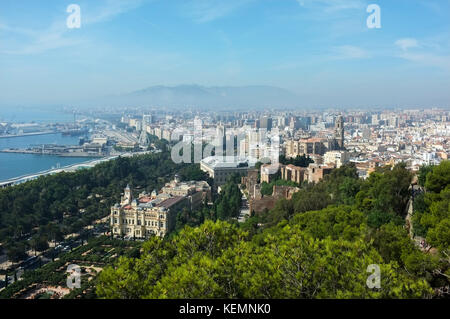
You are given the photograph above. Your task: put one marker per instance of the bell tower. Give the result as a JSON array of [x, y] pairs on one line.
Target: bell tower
[[126, 199], [339, 131]]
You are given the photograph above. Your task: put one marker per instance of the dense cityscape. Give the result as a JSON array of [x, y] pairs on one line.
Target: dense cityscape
[[256, 161]]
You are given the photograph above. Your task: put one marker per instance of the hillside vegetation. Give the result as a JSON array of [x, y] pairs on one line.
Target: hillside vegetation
[[317, 245]]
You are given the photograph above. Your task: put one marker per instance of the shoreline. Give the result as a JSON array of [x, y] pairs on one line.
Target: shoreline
[[31, 152], [69, 168], [18, 179]]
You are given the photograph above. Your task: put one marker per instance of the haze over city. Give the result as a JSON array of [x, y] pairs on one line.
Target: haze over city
[[320, 51]]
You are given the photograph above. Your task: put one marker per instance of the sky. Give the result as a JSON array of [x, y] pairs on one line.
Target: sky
[[322, 50]]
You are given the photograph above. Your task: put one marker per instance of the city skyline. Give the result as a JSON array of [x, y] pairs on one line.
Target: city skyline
[[322, 51]]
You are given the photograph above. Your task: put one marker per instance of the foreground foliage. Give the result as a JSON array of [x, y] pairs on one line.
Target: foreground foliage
[[218, 260], [317, 245]]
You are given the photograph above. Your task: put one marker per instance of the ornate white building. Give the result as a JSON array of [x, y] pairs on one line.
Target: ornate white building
[[146, 215], [155, 214]]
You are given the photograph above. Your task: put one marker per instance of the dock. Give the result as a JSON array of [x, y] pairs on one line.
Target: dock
[[28, 134], [58, 150]]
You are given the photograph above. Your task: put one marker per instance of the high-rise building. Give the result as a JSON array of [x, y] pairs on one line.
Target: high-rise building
[[375, 119], [366, 133], [294, 124], [221, 131], [266, 123], [147, 119], [138, 125], [393, 121], [304, 122], [220, 142]]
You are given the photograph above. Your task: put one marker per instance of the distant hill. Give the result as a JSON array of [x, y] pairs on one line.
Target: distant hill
[[204, 97]]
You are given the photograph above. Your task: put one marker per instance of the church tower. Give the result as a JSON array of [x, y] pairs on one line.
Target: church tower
[[126, 199], [339, 131]]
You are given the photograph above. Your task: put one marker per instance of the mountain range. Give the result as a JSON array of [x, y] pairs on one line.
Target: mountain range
[[181, 96]]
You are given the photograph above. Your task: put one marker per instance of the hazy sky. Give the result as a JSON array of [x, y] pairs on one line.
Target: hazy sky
[[320, 49]]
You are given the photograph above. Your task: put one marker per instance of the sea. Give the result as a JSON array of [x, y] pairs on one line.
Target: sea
[[23, 114], [15, 165]]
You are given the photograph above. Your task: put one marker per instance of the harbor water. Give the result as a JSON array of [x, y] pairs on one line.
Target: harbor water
[[15, 165]]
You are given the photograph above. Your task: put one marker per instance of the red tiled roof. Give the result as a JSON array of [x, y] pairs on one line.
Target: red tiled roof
[[144, 199]]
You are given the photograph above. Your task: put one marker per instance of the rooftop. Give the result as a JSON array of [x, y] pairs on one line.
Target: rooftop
[[170, 202], [227, 162]]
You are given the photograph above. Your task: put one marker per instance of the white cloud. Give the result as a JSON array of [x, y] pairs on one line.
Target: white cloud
[[350, 52], [428, 59], [202, 11], [333, 5], [407, 43], [433, 51], [335, 18], [424, 54], [21, 31], [112, 8], [38, 41], [55, 36]]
